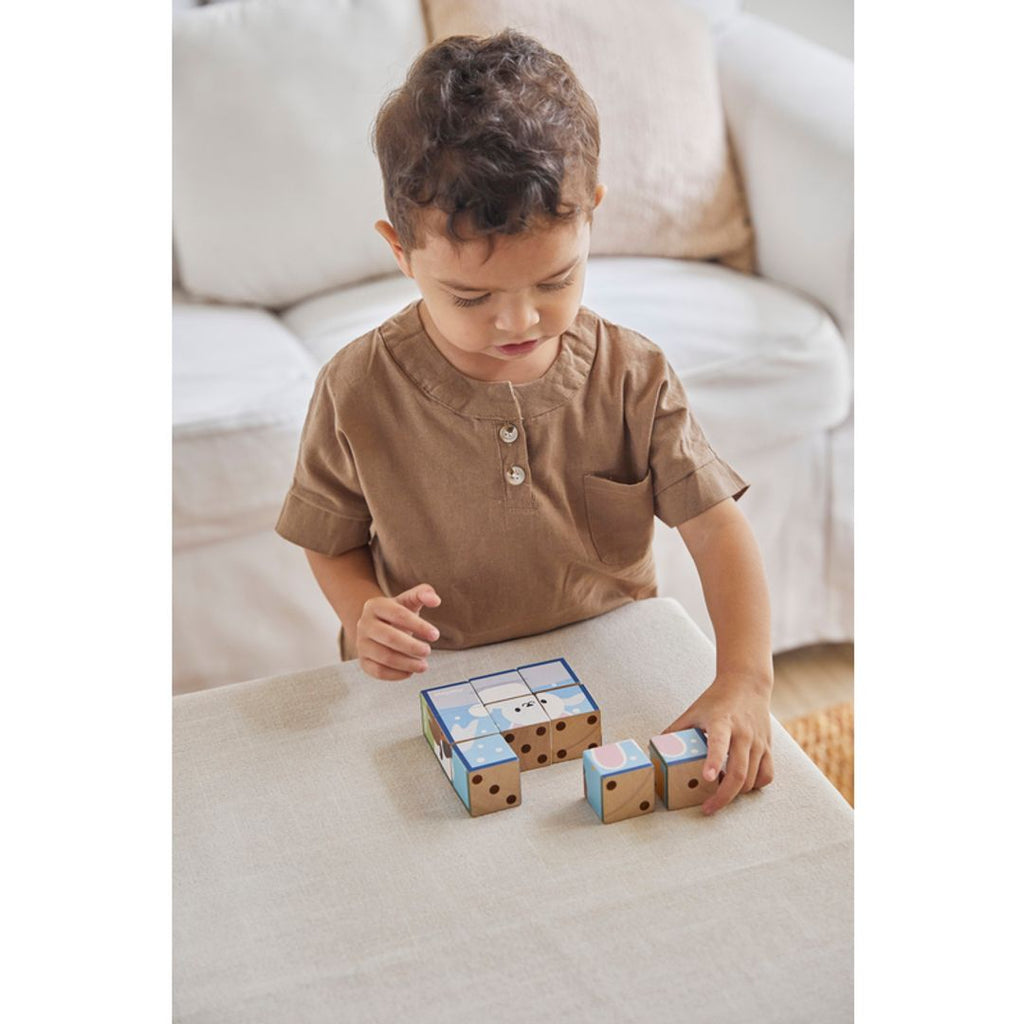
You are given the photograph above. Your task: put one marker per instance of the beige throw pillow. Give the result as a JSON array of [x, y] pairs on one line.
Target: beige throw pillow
[[673, 187]]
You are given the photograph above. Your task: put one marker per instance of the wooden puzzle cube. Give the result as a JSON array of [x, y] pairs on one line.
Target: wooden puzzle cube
[[618, 781], [527, 729], [499, 686], [575, 721], [679, 759], [452, 714], [547, 675], [485, 774]]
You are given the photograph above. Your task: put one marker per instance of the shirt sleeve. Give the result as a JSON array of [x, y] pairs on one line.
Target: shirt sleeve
[[688, 475], [325, 509]]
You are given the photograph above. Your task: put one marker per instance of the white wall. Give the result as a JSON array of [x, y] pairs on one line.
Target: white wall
[[828, 22]]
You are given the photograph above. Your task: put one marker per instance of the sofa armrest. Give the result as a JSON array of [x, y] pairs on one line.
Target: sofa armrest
[[789, 107]]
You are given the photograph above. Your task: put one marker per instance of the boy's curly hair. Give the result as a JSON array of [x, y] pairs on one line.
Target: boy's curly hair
[[496, 132]]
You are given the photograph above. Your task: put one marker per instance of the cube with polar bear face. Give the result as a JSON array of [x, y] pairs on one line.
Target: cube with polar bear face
[[525, 725], [575, 721]]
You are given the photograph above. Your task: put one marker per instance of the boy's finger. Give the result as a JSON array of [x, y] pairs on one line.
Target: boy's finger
[[416, 597], [735, 775], [396, 640], [765, 772], [378, 671], [402, 618], [753, 767], [392, 659], [718, 749]]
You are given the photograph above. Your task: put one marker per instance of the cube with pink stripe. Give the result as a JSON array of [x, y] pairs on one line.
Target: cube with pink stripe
[[679, 759], [618, 781]]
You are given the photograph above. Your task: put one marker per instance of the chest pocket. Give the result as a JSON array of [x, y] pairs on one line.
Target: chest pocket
[[620, 517]]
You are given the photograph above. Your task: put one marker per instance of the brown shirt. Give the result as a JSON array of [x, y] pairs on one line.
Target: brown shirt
[[526, 507]]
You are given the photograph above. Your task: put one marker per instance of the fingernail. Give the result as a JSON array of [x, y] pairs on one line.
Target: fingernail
[[435, 634]]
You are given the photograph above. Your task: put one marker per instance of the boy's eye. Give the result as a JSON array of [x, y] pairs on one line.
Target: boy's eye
[[465, 303], [555, 287]]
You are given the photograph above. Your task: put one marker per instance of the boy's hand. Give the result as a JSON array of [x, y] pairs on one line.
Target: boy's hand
[[390, 635], [733, 712]]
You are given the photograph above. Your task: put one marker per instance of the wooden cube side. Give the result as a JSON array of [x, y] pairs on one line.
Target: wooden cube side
[[571, 736], [628, 794], [575, 721], [486, 775], [532, 744], [687, 786]]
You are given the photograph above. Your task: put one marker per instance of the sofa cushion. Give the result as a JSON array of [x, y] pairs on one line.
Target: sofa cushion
[[761, 364], [241, 386], [665, 156], [275, 184], [330, 321]]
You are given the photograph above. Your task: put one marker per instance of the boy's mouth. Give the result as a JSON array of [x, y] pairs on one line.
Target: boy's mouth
[[519, 348]]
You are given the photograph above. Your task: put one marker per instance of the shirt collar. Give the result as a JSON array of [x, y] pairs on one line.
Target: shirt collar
[[410, 346]]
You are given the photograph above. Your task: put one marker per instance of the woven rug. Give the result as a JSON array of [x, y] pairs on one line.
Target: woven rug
[[827, 738]]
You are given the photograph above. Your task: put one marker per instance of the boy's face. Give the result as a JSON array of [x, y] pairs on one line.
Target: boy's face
[[498, 318]]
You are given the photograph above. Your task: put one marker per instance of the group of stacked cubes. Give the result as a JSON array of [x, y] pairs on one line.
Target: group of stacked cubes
[[484, 731]]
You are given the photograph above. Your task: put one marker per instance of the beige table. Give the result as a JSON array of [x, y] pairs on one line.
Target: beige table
[[325, 870]]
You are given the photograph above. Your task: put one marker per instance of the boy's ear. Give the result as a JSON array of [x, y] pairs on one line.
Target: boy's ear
[[599, 194], [388, 233]]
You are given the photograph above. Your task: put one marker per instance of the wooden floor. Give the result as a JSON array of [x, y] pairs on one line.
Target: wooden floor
[[812, 678]]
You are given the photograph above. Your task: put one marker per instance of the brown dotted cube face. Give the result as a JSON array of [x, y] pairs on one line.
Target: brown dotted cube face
[[681, 785], [571, 733], [532, 744], [494, 789], [526, 728], [687, 786], [627, 794]]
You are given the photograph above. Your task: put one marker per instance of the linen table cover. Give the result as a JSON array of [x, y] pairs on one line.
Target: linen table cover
[[325, 870]]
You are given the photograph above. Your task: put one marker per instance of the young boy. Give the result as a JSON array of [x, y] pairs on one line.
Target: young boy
[[495, 452]]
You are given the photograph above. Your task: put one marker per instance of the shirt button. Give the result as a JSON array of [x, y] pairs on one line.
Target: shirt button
[[509, 433], [515, 475]]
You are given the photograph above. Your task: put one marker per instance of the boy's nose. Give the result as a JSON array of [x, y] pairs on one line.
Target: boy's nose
[[517, 317]]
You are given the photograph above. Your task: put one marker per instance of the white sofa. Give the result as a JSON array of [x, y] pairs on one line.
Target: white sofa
[[766, 359]]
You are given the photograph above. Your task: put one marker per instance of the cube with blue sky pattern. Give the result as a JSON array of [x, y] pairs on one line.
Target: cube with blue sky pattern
[[485, 774]]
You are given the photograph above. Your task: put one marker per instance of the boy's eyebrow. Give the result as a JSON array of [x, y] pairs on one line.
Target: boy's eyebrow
[[476, 288]]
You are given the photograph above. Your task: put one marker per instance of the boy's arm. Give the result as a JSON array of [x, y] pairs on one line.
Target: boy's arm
[[734, 710], [386, 634]]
